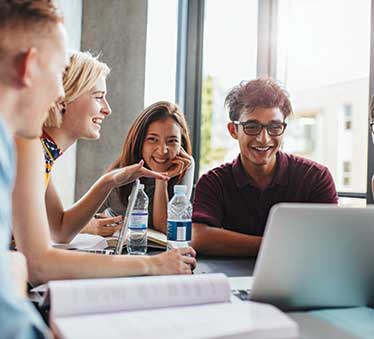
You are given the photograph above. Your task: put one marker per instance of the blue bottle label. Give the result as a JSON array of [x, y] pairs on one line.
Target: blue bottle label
[[179, 230], [138, 220]]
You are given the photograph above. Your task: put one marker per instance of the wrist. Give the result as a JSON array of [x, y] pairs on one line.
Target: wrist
[[149, 267], [107, 181]]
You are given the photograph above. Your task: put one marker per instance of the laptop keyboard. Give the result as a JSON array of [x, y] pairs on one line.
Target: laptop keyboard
[[242, 294]]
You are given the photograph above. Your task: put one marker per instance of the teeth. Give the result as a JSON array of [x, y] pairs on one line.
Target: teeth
[[161, 161], [262, 149], [97, 120]]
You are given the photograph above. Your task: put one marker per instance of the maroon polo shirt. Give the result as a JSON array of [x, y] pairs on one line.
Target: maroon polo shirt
[[227, 197]]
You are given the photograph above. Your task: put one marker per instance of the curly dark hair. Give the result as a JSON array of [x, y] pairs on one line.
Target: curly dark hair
[[261, 92]]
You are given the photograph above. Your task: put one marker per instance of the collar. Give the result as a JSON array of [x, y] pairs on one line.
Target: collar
[[50, 146], [242, 179]]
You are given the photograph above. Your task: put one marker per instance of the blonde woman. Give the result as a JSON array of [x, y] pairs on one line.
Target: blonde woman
[[38, 208]]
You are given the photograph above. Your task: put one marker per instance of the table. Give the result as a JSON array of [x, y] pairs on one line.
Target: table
[[311, 325]]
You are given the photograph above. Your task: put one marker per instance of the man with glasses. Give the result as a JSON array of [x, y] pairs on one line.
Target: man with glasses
[[232, 202]]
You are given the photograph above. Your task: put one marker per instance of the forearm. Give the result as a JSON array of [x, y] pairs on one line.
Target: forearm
[[77, 216], [218, 241], [160, 206], [56, 264]]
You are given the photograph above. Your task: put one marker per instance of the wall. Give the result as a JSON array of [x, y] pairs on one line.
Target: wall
[[116, 29]]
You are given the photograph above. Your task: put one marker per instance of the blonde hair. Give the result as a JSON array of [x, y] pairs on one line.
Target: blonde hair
[[80, 77]]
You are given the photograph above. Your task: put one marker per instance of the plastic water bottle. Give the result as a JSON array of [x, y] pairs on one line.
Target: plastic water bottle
[[179, 219], [137, 232]]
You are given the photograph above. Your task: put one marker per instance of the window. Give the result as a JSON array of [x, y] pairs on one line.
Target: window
[[161, 51], [323, 59], [230, 53]]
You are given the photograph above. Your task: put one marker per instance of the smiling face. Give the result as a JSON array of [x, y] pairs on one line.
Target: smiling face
[[84, 115], [161, 144], [258, 152]]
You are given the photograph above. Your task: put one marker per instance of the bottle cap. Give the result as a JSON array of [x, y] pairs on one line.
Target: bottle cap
[[180, 189], [141, 186]]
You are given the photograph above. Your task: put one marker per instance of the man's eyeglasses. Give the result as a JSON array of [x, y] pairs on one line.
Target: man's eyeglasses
[[250, 127]]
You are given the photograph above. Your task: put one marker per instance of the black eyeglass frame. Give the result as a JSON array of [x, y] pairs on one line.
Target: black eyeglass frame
[[243, 123]]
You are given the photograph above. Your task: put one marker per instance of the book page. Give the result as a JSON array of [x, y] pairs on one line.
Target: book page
[[88, 296], [224, 320], [157, 237]]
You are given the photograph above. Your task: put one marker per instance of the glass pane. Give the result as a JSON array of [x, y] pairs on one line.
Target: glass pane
[[230, 53], [161, 51], [323, 59]]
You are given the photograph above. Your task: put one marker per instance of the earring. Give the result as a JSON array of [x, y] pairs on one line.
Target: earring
[[63, 110]]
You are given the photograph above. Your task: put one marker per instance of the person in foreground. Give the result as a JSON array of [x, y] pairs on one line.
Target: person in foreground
[[84, 108], [32, 61], [232, 202], [159, 135]]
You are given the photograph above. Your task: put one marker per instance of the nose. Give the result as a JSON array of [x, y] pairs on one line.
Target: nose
[[106, 108], [163, 148], [263, 137], [60, 90]]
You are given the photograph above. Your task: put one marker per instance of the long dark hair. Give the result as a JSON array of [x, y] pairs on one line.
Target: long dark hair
[[133, 144]]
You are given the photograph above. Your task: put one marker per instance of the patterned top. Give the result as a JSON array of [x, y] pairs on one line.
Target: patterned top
[[51, 153]]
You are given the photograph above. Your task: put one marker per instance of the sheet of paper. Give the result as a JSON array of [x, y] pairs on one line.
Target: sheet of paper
[[90, 296], [84, 242], [223, 320]]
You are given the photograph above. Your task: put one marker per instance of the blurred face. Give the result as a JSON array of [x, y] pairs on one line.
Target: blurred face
[[45, 68], [84, 116], [162, 144], [258, 151]]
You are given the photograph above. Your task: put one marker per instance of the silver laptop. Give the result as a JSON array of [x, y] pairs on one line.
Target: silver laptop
[[125, 224], [315, 256]]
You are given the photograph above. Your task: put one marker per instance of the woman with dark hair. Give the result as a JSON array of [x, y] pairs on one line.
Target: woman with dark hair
[[159, 136]]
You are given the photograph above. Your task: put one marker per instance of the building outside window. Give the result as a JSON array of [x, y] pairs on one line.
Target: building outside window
[[323, 59]]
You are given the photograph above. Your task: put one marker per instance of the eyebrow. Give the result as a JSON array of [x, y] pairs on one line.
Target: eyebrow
[[155, 134], [102, 92], [255, 120]]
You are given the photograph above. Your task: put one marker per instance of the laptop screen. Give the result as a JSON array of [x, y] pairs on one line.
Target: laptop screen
[[126, 219]]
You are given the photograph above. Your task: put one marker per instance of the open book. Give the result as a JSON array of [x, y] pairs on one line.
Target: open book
[[196, 306], [156, 239]]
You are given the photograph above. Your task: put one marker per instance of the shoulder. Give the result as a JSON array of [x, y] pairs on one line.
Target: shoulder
[[218, 175], [299, 163]]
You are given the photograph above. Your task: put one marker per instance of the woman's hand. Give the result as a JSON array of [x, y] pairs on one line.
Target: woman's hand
[[104, 226], [125, 175], [179, 164], [175, 261]]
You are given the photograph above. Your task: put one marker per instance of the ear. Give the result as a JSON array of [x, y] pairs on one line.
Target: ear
[[232, 128], [26, 67]]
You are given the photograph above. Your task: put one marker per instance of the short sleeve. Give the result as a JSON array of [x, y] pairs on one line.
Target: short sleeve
[[208, 202], [323, 188]]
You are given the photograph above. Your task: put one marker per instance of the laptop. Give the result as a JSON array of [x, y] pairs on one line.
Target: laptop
[[316, 256], [125, 224]]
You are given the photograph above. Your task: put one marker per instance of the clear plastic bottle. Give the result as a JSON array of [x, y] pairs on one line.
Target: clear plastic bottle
[[179, 219], [137, 232]]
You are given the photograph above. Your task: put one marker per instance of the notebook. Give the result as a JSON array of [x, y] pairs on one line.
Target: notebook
[[316, 256], [179, 306]]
